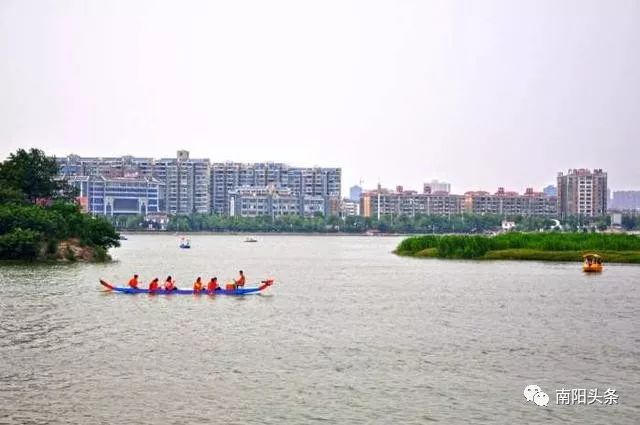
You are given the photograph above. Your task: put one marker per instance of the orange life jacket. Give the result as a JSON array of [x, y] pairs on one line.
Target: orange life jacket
[[197, 286], [212, 286], [168, 285], [153, 286], [240, 281], [133, 283]]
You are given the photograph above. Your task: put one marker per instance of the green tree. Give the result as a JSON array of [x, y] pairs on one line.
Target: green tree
[[34, 174], [10, 195], [99, 232], [19, 244], [30, 229]]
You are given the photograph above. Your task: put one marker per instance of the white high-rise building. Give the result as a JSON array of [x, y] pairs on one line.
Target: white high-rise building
[[582, 192], [186, 181], [317, 182]]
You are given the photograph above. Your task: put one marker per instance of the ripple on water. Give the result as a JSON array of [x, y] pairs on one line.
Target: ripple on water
[[349, 334]]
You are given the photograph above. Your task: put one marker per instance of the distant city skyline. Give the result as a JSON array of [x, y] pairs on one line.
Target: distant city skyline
[[480, 94], [347, 186], [184, 185]]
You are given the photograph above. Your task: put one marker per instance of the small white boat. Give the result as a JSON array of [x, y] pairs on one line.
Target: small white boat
[[251, 239]]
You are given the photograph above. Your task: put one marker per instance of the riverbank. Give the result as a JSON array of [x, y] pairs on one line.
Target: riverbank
[[66, 251], [614, 248]]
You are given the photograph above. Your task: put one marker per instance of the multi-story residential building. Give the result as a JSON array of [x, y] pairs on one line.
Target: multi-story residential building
[[250, 201], [314, 205], [582, 192], [228, 177], [102, 195], [195, 186], [436, 186], [625, 200], [379, 202], [74, 165], [511, 203], [225, 178], [187, 183], [443, 204], [349, 208], [247, 201], [315, 181]]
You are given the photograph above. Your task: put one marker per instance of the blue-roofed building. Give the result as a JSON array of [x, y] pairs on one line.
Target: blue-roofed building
[[118, 195]]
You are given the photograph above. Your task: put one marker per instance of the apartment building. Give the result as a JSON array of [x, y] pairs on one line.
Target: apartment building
[[582, 192], [511, 203], [187, 184], [185, 181], [302, 183], [349, 208], [379, 202], [74, 165], [250, 201]]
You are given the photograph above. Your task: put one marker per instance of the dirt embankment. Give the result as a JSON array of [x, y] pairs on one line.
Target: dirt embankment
[[72, 250]]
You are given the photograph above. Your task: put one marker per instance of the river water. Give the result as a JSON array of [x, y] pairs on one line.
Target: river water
[[349, 334]]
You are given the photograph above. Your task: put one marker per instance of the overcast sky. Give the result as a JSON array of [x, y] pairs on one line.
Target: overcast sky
[[477, 93]]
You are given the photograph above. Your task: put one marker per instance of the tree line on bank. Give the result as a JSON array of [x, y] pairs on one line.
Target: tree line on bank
[[38, 213], [316, 224], [465, 223]]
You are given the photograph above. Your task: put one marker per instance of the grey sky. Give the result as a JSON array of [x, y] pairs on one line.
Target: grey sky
[[478, 93]]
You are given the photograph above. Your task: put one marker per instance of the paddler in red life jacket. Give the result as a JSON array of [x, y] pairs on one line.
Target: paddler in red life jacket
[[154, 285], [134, 282], [240, 281], [213, 284], [197, 286], [169, 284]]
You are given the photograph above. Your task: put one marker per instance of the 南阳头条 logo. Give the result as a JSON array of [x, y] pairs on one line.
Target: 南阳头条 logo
[[534, 393]]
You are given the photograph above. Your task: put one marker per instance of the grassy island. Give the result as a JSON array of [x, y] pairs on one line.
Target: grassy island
[[39, 219], [555, 246]]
